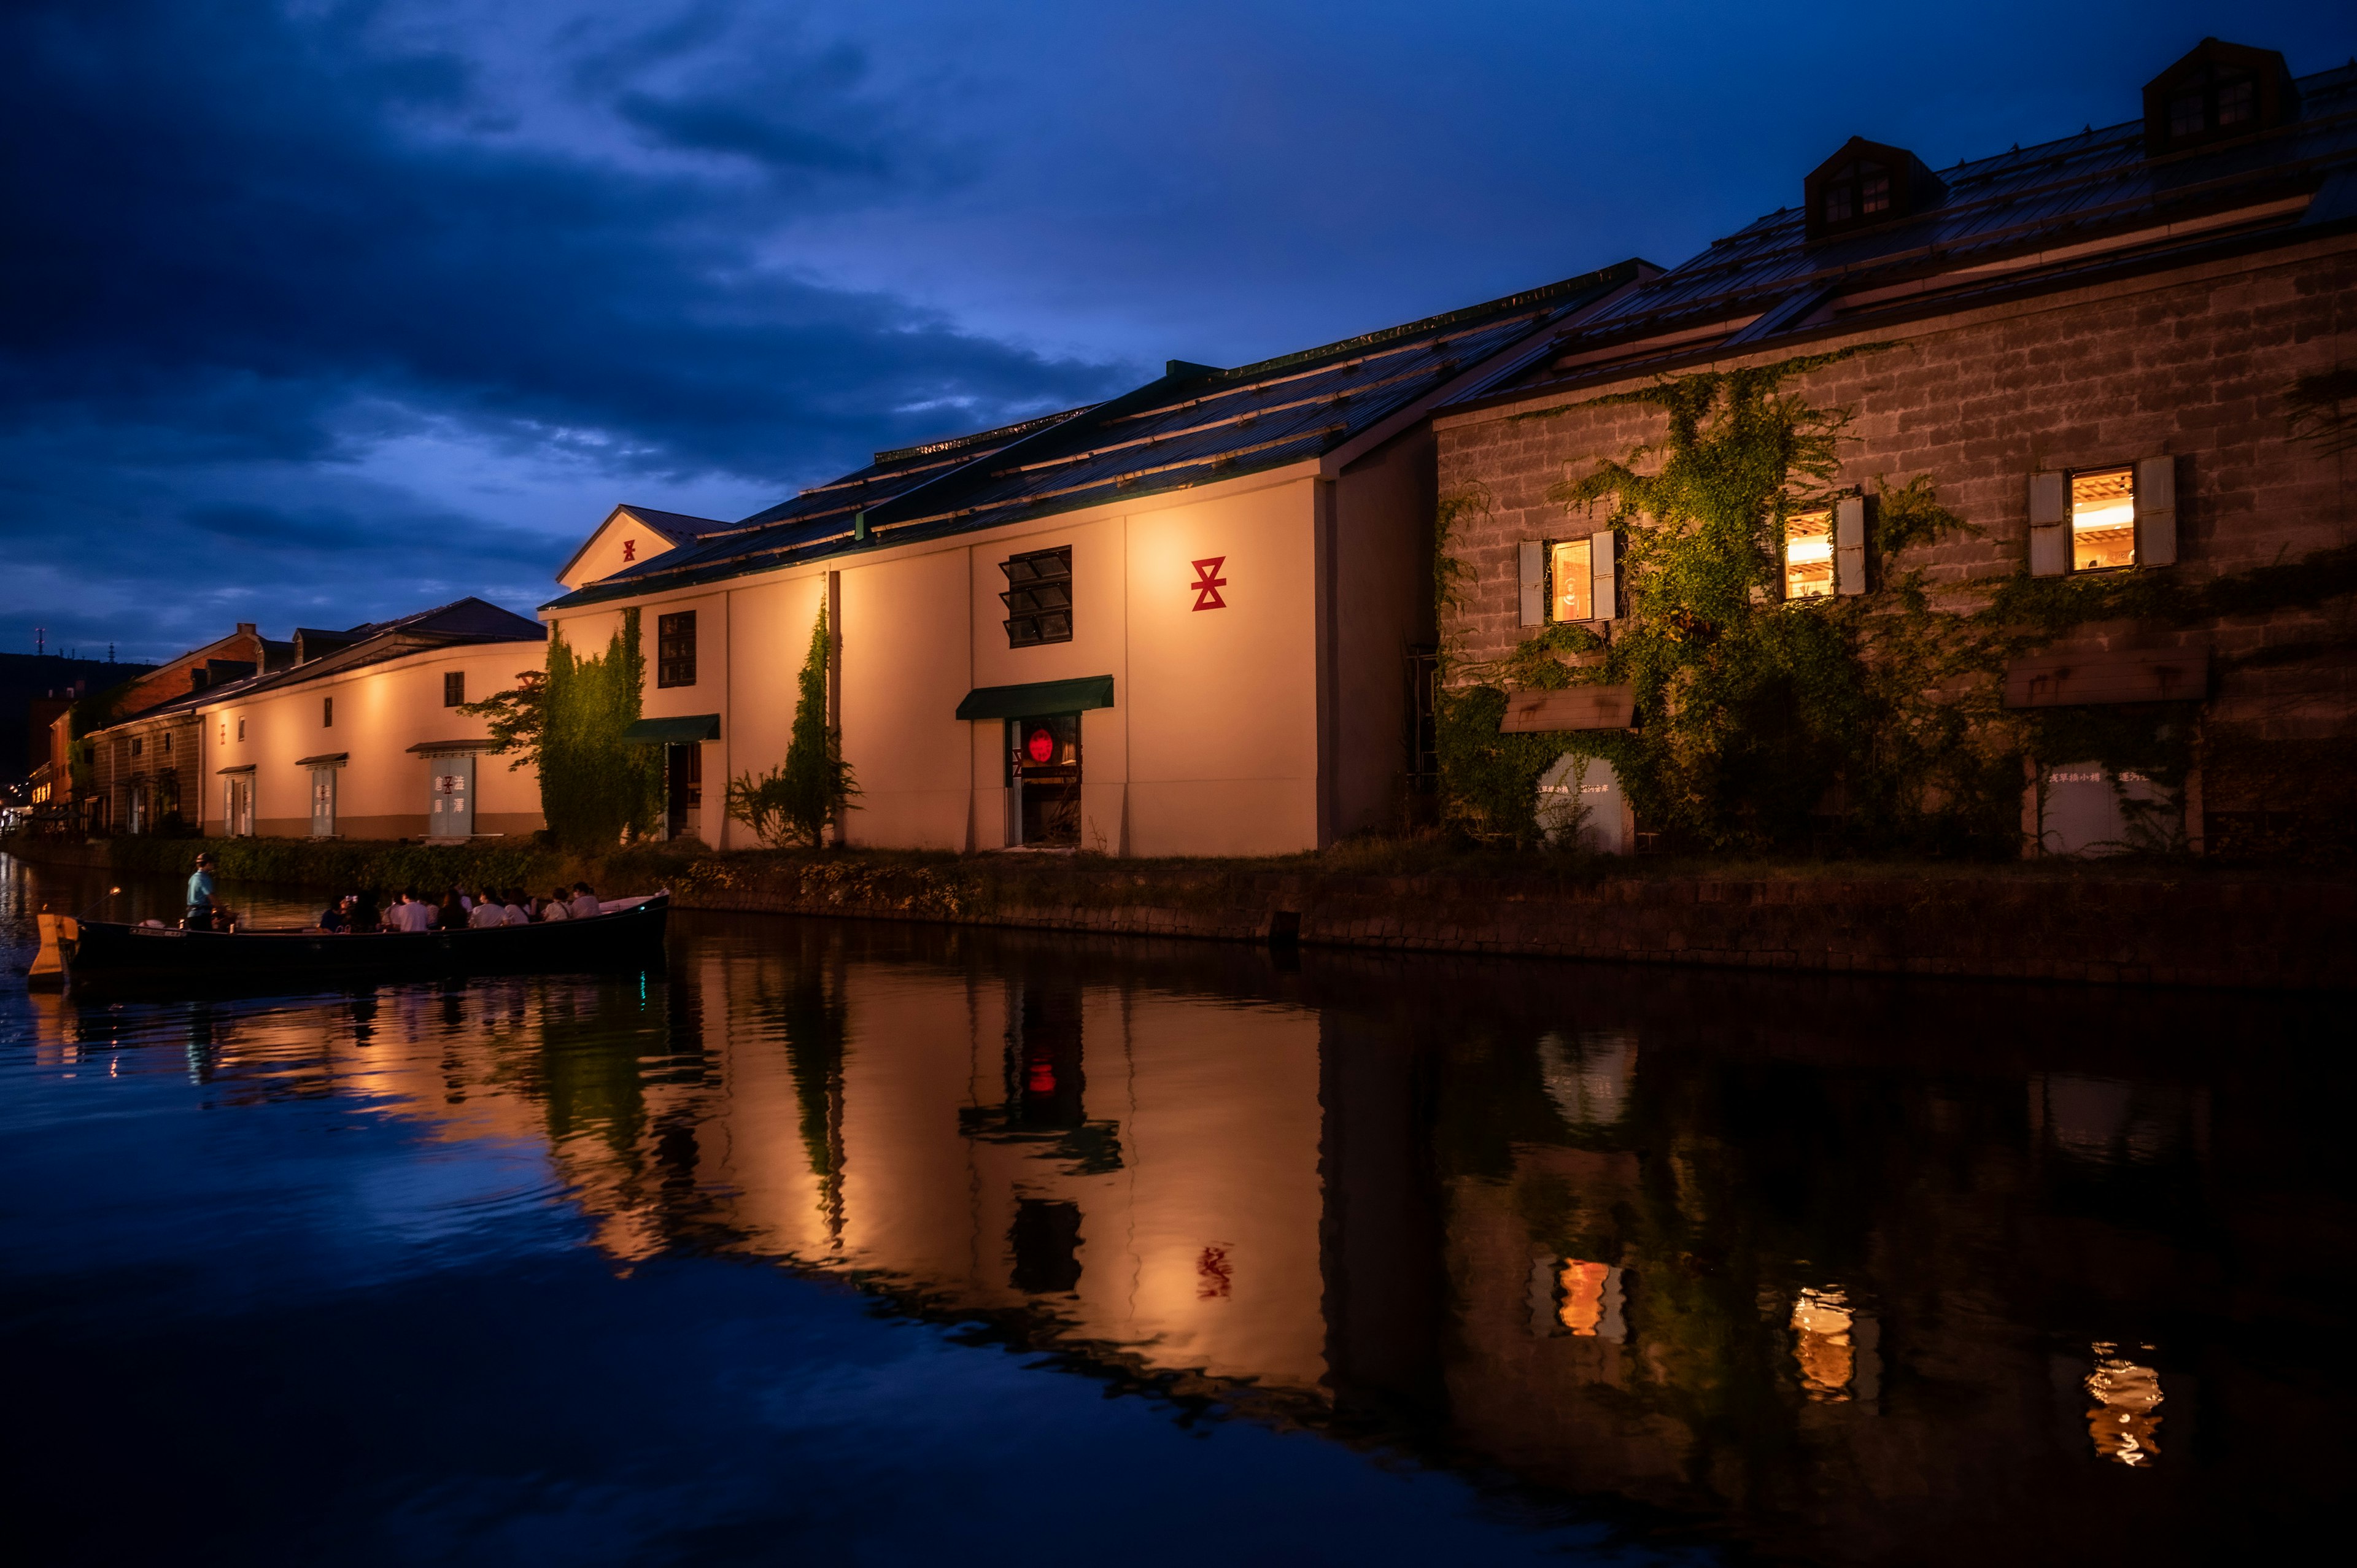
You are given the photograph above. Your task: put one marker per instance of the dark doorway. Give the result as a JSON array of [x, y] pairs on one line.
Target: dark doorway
[[683, 791], [1045, 1241], [1044, 767]]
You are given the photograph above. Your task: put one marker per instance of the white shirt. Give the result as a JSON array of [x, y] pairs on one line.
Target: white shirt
[[556, 911], [518, 915], [413, 916], [585, 905], [485, 915]]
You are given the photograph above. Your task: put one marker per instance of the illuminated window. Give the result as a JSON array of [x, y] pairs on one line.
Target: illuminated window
[[1822, 1324], [675, 649], [1572, 583], [1038, 596], [2125, 1393], [2103, 519], [1809, 556]]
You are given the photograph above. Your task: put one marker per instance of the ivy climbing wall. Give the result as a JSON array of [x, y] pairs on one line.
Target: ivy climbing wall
[[1760, 721]]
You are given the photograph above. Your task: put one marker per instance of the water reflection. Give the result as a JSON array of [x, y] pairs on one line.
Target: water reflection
[[1819, 1261]]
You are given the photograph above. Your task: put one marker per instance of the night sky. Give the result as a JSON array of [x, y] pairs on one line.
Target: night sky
[[317, 312]]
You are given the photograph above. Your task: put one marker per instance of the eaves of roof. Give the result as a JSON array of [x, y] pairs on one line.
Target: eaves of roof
[[1998, 291], [1189, 427]]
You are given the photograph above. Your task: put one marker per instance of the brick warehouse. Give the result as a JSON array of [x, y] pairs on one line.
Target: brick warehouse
[[2090, 348]]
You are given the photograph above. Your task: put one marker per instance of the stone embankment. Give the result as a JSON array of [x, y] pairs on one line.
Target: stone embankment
[[2149, 925]]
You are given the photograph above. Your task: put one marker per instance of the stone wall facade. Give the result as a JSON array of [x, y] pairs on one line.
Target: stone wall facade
[[2189, 363]]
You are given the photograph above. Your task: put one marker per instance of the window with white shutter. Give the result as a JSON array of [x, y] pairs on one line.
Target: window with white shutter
[[2050, 524], [1530, 569], [1849, 545]]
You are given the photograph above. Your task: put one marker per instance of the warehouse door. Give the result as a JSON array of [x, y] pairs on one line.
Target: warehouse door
[[452, 813], [323, 802], [1044, 767]]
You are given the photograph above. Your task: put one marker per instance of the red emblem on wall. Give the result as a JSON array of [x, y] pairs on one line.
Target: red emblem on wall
[[630, 550], [1042, 746], [1208, 584]]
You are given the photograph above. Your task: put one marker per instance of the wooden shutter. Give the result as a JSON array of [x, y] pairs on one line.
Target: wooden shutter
[[2050, 524], [2156, 511], [1849, 545], [1531, 567], [1604, 575]]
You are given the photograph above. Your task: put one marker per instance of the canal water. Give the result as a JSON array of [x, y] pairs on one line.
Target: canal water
[[900, 1243]]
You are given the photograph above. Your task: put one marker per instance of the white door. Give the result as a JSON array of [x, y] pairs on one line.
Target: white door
[[323, 802], [452, 813], [237, 806]]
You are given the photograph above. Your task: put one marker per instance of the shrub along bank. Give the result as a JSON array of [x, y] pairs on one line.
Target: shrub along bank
[[2156, 921]]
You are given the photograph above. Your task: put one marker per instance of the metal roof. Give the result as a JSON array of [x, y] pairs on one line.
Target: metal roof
[[2055, 214], [1194, 424]]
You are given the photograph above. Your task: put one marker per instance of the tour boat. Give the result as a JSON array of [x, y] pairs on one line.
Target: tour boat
[[626, 931]]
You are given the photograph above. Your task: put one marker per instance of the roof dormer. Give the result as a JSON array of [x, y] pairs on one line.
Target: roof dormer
[[1865, 184], [2218, 91]]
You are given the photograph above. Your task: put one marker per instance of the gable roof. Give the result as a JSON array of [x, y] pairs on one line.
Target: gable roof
[[2055, 215], [676, 527], [1194, 424]]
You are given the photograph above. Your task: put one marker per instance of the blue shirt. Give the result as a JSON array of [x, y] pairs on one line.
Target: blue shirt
[[200, 889]]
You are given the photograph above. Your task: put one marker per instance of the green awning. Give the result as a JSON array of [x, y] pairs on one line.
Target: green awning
[[685, 730], [1038, 699]]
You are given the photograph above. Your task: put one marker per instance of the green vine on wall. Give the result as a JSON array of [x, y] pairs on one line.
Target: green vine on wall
[[796, 801], [1760, 721], [595, 789]]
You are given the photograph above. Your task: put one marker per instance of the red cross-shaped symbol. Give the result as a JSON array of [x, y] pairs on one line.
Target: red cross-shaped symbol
[[630, 550], [1208, 584]]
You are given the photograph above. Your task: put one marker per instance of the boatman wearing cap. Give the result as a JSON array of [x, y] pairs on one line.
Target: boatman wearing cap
[[201, 894]]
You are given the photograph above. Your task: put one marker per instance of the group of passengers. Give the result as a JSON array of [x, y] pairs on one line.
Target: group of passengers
[[460, 908]]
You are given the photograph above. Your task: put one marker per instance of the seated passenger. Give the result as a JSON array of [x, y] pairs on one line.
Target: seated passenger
[[338, 917], [486, 914], [516, 912], [584, 902], [452, 915], [556, 908]]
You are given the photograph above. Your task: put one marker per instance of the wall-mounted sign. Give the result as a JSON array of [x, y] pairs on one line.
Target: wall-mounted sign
[[630, 550], [1042, 746], [1208, 584]]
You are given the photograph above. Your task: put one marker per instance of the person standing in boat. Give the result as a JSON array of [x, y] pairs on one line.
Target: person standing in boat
[[204, 913]]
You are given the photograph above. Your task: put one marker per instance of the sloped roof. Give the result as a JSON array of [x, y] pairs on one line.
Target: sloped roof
[[2057, 214], [1194, 424], [467, 620]]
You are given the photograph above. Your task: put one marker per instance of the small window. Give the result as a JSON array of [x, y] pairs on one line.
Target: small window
[[135, 744], [1874, 189], [2103, 519], [1837, 199], [453, 688], [1038, 596], [1857, 190], [675, 649], [2238, 102], [1571, 584], [1809, 556], [168, 743], [241, 729], [2185, 117], [327, 713]]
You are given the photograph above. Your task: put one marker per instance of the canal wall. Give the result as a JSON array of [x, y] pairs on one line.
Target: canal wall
[[2149, 925]]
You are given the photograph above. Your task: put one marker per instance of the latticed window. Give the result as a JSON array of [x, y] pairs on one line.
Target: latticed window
[[1038, 596], [453, 688], [675, 649], [1809, 556], [2103, 519], [1858, 191]]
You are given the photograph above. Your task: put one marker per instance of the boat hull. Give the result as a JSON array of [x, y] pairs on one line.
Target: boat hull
[[107, 953]]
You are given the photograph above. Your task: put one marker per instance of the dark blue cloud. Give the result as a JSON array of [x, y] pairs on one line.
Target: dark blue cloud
[[335, 305]]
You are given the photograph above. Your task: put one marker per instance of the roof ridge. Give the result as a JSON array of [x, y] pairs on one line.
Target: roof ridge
[[951, 444]]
